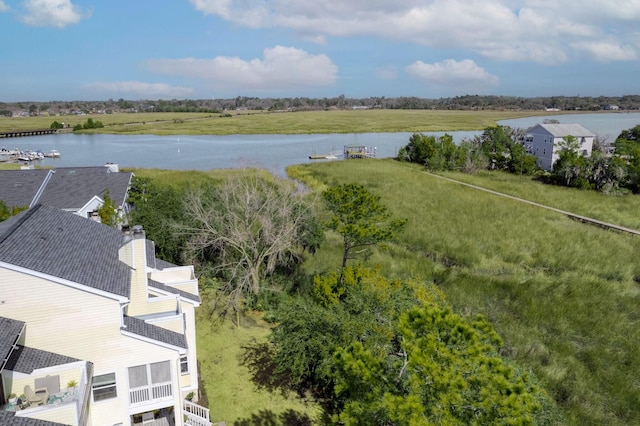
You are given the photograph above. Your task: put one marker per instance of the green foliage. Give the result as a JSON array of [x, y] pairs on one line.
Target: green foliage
[[56, 125], [108, 212], [155, 207], [359, 217], [6, 212], [381, 351], [447, 371], [627, 150], [562, 294], [309, 330], [496, 149], [436, 153]]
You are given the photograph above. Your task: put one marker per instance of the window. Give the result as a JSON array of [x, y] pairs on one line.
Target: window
[[104, 387], [184, 364]]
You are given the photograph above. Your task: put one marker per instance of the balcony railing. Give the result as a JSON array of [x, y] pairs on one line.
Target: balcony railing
[[196, 414], [150, 393]]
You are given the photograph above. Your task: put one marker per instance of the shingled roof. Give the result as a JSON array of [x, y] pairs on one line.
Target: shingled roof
[[19, 187], [71, 188], [25, 359], [561, 130], [68, 188], [8, 418], [62, 244], [10, 330], [150, 331], [169, 289]]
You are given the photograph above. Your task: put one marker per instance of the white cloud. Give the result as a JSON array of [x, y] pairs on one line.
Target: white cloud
[[280, 68], [140, 90], [3, 6], [463, 75], [545, 31], [604, 51], [50, 13]]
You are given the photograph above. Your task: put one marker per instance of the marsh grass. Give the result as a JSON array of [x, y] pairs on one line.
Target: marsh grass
[[263, 122], [563, 294]]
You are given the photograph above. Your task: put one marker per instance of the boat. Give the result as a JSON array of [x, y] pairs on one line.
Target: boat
[[52, 154]]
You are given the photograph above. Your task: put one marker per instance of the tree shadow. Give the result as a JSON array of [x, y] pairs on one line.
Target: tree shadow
[[269, 418], [258, 358]]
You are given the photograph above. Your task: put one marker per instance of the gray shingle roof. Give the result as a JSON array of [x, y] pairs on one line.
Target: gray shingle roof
[[25, 360], [64, 245], [10, 329], [73, 187], [562, 130], [67, 188], [181, 293], [19, 187], [8, 418], [150, 331]]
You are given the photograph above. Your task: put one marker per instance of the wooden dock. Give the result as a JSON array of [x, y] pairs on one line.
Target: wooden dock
[[20, 133]]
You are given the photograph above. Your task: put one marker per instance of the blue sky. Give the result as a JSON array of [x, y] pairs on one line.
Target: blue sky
[[198, 49]]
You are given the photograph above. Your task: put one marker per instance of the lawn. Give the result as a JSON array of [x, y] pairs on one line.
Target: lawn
[[232, 394]]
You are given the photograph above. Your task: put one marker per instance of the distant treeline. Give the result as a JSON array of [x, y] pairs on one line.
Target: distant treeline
[[468, 102]]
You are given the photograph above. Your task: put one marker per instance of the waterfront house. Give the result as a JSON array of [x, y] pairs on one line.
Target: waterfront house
[[80, 190], [542, 140], [94, 329]]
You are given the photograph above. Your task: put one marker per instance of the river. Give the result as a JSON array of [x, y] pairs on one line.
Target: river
[[273, 152]]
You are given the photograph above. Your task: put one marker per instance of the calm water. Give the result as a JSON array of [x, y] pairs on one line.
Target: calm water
[[273, 152]]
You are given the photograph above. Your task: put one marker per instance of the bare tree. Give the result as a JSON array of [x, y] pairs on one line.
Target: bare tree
[[244, 228]]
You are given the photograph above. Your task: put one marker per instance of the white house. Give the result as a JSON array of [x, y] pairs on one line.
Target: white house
[[94, 330], [542, 140]]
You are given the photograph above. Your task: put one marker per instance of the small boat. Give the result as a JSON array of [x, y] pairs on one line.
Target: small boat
[[52, 154]]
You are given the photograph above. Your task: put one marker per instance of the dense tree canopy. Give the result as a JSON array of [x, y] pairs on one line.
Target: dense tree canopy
[[381, 352]]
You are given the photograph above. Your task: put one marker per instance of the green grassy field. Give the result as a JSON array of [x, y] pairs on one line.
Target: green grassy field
[[563, 294], [259, 122], [231, 393]]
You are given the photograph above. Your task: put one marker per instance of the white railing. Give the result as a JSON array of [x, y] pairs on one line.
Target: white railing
[[161, 390], [155, 392], [196, 414]]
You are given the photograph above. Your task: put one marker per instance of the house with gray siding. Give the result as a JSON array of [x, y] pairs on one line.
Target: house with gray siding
[[542, 140]]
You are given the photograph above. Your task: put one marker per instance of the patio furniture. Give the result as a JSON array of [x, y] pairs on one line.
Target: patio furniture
[[39, 397]]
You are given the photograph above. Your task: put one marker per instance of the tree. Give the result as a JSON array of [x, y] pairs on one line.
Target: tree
[[569, 169], [156, 209], [376, 351], [360, 218], [108, 212], [244, 229], [447, 370]]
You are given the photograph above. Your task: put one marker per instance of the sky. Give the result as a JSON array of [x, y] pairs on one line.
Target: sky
[[90, 50]]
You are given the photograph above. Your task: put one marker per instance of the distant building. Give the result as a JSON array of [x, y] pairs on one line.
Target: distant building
[[542, 140]]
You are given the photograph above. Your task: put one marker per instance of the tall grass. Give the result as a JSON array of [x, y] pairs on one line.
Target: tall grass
[[262, 122], [563, 294]]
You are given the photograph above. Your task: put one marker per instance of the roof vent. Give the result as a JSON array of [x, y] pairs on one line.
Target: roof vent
[[138, 231]]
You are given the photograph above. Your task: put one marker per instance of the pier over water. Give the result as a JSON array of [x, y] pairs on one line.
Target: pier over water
[[19, 133]]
